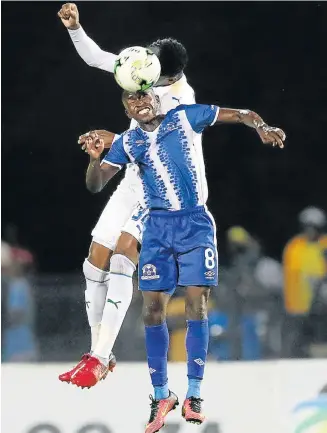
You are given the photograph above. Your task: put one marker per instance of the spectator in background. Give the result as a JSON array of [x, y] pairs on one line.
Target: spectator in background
[[318, 316], [6, 263], [233, 326], [19, 343], [248, 319], [304, 267]]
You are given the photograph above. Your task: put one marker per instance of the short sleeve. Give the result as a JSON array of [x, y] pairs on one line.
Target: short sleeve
[[117, 155], [201, 116]]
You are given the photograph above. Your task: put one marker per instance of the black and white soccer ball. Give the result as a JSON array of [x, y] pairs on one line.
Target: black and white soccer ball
[[137, 68]]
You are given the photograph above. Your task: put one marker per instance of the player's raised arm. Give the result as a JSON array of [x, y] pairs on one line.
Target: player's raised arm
[[88, 50], [97, 175], [268, 134]]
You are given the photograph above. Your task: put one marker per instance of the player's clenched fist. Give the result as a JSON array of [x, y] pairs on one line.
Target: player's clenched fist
[[94, 145], [271, 135], [69, 16]]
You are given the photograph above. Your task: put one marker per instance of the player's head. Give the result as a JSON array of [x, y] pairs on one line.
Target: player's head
[[173, 59], [141, 106], [312, 221]]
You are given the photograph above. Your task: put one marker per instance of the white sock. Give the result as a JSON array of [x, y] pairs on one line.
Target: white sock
[[119, 297], [97, 283]]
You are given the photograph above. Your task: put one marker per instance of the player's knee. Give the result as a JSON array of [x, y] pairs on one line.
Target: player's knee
[[196, 303], [127, 246], [94, 273], [99, 256], [120, 264], [154, 313]]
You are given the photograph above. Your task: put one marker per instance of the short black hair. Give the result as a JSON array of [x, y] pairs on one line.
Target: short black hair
[[172, 55]]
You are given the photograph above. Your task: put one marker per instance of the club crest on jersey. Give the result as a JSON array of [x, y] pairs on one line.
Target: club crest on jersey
[[209, 275], [149, 272]]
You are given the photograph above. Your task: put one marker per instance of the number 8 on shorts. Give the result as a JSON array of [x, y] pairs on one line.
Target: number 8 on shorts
[[209, 258]]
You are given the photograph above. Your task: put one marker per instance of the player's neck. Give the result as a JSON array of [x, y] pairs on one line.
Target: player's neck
[[153, 124]]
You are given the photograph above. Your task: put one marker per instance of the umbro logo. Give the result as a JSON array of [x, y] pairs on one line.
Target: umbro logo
[[209, 275], [152, 370], [199, 362]]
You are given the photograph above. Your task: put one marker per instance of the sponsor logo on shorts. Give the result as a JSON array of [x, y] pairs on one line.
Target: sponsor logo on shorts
[[152, 370], [199, 361], [149, 272], [210, 275]]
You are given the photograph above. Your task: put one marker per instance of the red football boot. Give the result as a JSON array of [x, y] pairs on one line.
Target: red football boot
[[191, 410], [66, 377], [90, 373], [159, 410]]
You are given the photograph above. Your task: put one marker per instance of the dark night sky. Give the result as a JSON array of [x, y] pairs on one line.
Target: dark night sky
[[266, 56]]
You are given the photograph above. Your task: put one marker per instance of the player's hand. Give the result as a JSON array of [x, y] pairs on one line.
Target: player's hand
[[271, 135], [69, 16], [94, 145], [106, 136]]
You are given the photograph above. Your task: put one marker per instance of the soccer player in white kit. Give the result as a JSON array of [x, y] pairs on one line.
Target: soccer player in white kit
[[120, 225]]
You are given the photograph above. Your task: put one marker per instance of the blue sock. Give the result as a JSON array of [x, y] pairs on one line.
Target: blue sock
[[197, 340], [157, 343], [193, 389]]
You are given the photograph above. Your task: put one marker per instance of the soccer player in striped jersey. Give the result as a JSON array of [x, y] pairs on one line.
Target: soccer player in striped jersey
[[178, 246]]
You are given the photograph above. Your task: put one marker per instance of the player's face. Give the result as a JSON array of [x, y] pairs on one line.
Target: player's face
[[141, 106]]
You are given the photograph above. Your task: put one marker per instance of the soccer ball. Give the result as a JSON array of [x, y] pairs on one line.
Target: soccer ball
[[137, 68]]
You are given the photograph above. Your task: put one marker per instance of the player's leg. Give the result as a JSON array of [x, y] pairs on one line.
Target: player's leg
[[157, 340], [197, 341], [157, 280], [105, 234], [122, 266], [198, 271], [96, 267], [96, 273], [157, 345]]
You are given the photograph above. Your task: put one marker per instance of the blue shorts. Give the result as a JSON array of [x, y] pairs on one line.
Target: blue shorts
[[178, 248]]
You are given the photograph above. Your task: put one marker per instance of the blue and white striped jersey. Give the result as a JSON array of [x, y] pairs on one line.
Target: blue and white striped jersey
[[169, 162]]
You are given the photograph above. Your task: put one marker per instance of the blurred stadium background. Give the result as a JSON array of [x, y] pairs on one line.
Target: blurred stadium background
[[269, 206]]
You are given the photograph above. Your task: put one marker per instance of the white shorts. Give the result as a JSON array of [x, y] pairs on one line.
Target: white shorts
[[135, 224], [121, 213]]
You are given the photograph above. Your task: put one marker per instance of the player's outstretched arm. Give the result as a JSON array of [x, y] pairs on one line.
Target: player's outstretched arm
[[88, 50], [97, 175], [268, 134]]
